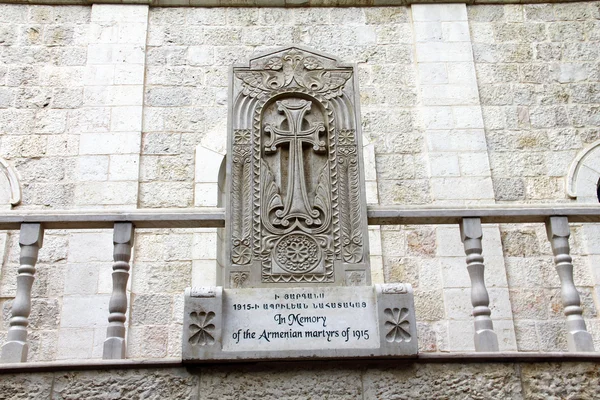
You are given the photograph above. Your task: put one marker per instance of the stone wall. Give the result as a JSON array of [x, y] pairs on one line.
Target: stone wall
[[331, 381], [538, 77], [106, 107], [538, 70]]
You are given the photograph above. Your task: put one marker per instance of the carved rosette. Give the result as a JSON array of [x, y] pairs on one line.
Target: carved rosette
[[297, 253], [295, 172], [397, 325], [201, 328]]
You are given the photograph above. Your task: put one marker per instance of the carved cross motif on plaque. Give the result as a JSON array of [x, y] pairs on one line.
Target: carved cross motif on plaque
[[296, 207]]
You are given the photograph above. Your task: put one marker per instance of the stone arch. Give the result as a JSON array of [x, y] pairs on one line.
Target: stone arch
[[209, 191], [583, 177], [10, 187], [372, 195], [209, 160]]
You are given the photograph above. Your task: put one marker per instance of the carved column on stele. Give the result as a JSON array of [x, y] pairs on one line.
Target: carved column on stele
[[16, 347], [578, 338], [471, 235], [114, 345]]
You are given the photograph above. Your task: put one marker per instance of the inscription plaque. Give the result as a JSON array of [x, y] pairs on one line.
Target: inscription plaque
[[299, 322], [298, 319]]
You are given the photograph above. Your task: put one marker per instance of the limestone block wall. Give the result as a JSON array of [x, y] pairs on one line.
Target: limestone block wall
[[113, 106], [44, 53], [538, 76]]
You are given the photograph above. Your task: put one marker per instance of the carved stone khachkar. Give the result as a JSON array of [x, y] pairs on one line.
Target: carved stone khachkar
[[296, 225], [296, 208]]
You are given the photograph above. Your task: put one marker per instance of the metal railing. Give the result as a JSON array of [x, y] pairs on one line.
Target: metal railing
[[470, 220]]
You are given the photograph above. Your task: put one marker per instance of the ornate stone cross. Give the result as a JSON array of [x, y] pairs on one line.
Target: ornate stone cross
[[297, 207]]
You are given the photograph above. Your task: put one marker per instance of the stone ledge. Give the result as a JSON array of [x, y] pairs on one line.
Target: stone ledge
[[423, 358], [280, 3]]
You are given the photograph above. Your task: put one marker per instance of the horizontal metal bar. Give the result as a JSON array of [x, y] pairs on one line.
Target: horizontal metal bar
[[215, 217]]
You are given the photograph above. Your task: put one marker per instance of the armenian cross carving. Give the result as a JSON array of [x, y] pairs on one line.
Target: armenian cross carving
[[296, 209]]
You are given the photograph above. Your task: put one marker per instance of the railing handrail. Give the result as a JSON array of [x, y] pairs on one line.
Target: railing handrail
[[214, 217], [492, 214]]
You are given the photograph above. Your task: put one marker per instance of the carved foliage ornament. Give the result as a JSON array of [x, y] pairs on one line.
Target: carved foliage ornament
[[296, 202], [294, 67]]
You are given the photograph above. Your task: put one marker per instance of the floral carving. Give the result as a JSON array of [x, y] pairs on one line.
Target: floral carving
[[353, 250], [311, 63], [294, 67], [297, 253], [346, 137], [355, 278], [274, 63], [237, 279], [201, 329], [397, 325], [242, 136], [241, 252]]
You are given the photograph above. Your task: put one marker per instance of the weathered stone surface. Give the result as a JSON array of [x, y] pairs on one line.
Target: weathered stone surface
[[553, 380], [564, 60], [520, 243], [166, 194], [273, 383], [294, 381], [22, 386], [161, 277], [423, 381], [149, 341], [126, 384], [151, 309]]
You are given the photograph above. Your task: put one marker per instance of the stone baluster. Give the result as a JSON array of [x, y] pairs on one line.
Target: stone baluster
[[578, 338], [16, 347], [114, 345], [471, 235]]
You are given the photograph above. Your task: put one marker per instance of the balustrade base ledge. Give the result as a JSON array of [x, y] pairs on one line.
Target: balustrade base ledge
[[505, 357], [277, 3]]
